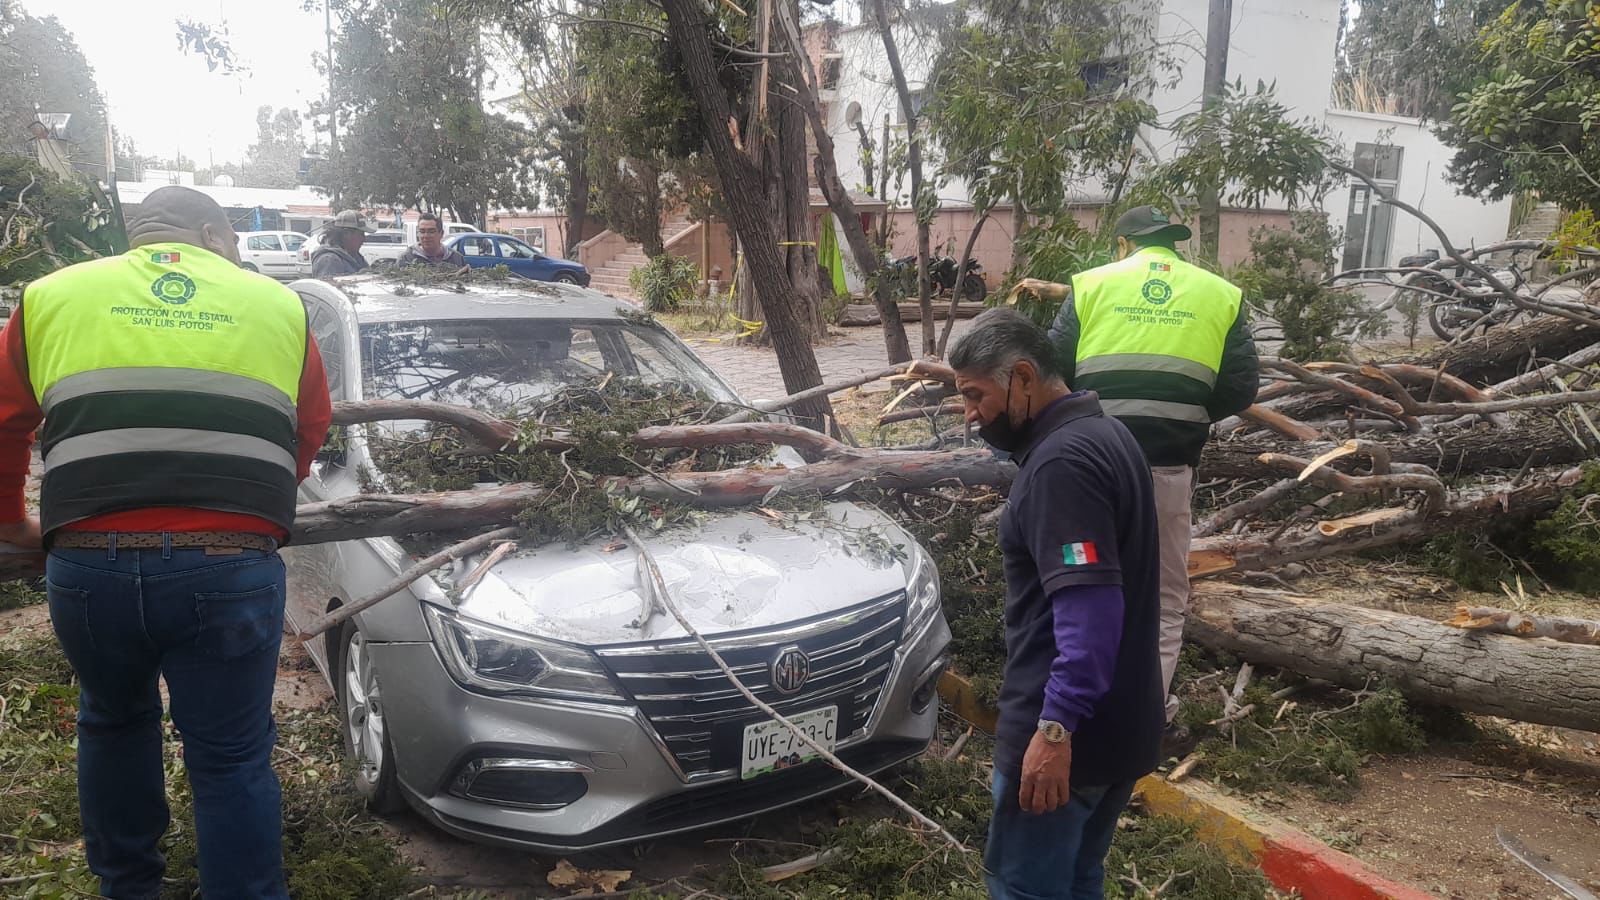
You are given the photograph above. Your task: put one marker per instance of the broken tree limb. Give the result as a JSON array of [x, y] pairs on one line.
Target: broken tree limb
[[1489, 674], [1282, 424], [1258, 502], [489, 431], [1360, 394], [722, 434], [1506, 621], [1536, 441], [1469, 507], [1334, 480], [832, 387], [404, 580]]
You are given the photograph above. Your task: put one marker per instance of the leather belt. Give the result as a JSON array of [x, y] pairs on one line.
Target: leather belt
[[155, 540]]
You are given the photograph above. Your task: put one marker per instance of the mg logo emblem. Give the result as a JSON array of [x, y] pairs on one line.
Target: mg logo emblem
[[790, 669]]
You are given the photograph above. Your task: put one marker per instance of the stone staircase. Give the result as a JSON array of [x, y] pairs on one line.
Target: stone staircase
[[612, 276]]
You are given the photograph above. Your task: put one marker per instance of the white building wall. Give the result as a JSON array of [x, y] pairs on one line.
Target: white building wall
[[1467, 220]]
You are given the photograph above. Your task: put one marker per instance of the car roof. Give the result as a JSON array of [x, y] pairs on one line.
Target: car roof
[[378, 298]]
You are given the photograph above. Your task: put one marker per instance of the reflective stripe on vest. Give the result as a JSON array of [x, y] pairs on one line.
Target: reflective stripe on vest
[[1152, 327], [1156, 409], [168, 377]]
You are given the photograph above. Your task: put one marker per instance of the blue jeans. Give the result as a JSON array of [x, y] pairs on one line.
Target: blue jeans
[[211, 625], [1060, 855]]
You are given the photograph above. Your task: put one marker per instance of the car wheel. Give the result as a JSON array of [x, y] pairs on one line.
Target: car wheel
[[565, 278], [366, 735], [249, 267]]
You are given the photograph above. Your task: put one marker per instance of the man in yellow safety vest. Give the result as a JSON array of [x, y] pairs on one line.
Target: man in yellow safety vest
[[182, 401], [1167, 346]]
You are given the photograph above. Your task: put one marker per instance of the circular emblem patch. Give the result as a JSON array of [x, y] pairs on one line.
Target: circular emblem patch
[[174, 287], [1157, 291]]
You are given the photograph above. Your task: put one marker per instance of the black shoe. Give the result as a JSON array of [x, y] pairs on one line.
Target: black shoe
[[1177, 742]]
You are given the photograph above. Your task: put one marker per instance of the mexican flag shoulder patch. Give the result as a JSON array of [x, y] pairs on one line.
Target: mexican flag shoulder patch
[[1081, 554]]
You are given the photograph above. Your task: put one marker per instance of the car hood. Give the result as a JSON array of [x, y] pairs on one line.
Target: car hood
[[731, 572]]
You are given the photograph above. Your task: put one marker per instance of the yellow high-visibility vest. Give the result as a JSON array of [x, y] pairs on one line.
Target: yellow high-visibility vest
[[168, 376]]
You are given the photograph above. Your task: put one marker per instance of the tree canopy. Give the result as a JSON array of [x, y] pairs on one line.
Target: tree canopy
[[1528, 120], [408, 90], [42, 67]]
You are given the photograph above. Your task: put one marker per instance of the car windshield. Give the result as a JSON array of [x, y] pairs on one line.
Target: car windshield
[[503, 366]]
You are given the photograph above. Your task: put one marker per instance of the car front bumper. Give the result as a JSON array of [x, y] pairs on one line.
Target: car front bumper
[[631, 789]]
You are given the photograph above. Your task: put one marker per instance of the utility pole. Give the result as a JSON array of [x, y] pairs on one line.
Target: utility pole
[[333, 110], [1219, 24]]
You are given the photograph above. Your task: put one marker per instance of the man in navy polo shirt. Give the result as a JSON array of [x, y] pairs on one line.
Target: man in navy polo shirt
[[1081, 707]]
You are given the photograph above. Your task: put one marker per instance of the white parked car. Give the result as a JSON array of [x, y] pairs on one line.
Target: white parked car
[[450, 228], [275, 253], [385, 243]]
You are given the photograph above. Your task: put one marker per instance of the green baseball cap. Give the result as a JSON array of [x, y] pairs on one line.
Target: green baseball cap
[[1142, 221]]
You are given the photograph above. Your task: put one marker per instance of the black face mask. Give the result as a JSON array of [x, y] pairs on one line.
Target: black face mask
[[1002, 433]]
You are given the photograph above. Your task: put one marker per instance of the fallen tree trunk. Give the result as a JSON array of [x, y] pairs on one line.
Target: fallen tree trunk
[[1535, 441], [1501, 353], [1497, 675]]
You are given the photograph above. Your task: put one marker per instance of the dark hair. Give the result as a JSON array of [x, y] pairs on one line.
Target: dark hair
[[1001, 337], [430, 217]]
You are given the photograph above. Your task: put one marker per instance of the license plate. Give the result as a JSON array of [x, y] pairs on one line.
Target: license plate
[[768, 746]]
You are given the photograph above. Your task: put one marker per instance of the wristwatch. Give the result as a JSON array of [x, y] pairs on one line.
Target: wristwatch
[[1054, 732]]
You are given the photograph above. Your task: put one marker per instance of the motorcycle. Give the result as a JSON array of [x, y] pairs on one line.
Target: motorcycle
[[1465, 301], [942, 274]]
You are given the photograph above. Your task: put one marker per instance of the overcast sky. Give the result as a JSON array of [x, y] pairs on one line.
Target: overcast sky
[[167, 101]]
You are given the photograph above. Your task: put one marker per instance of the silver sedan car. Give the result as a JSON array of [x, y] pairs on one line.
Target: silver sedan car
[[542, 709]]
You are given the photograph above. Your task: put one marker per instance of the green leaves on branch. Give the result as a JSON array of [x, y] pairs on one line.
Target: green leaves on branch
[[665, 283], [1528, 121], [1248, 145], [1283, 280]]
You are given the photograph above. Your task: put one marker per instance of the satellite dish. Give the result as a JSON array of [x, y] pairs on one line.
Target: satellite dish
[[224, 180]]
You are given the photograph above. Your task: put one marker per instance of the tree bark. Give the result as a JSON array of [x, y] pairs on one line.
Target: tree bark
[[650, 196], [1472, 507], [870, 261], [574, 152], [930, 344], [1544, 682], [1507, 621], [962, 267], [1503, 353], [794, 181], [689, 26], [1536, 441]]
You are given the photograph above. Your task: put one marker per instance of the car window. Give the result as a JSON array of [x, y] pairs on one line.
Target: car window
[[515, 249], [503, 366], [263, 242], [325, 328], [476, 247], [385, 238], [293, 242]]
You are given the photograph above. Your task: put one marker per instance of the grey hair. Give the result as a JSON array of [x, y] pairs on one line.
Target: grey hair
[[998, 340]]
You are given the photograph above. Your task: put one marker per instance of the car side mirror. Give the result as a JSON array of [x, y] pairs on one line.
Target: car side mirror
[[336, 449]]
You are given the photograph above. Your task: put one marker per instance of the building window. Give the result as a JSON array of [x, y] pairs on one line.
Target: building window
[[830, 72], [1368, 222], [532, 235]]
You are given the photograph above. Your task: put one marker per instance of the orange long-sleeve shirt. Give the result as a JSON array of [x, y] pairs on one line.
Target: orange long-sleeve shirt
[[20, 416]]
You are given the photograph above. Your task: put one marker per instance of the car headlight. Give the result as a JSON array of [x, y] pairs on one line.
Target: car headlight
[[498, 661], [922, 591]]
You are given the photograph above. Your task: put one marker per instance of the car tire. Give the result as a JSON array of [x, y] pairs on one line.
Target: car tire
[[249, 267], [366, 736], [565, 278]]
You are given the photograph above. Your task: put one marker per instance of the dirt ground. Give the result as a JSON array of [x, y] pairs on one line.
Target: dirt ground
[[1429, 819]]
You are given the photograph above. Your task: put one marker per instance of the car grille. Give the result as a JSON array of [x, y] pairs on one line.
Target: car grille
[[700, 714]]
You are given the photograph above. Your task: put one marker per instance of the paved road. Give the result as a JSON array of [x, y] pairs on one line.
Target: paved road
[[753, 371]]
